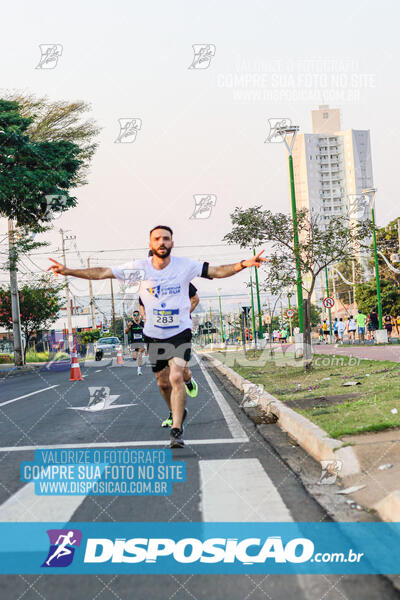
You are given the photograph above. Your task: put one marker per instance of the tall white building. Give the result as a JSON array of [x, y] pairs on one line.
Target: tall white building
[[330, 165], [331, 168]]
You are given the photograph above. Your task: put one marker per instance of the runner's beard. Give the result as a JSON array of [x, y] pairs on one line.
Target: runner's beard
[[166, 252]]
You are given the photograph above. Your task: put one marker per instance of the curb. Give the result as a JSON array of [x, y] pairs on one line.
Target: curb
[[308, 435], [13, 370]]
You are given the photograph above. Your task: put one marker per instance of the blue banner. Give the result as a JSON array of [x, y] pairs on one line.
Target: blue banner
[[210, 548]]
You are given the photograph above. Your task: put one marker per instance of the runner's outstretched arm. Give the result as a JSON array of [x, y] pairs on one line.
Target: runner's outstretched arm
[[91, 273], [229, 270]]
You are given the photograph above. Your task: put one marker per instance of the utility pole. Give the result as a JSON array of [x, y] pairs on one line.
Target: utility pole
[[19, 357], [67, 297], [91, 299], [112, 308], [329, 310]]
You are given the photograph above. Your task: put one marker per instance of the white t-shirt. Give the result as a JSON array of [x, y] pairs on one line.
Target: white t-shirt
[[352, 325], [341, 327], [164, 293]]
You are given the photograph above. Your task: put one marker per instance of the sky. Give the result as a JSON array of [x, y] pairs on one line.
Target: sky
[[202, 131]]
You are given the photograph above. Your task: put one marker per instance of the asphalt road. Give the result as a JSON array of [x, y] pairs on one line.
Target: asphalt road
[[45, 409]]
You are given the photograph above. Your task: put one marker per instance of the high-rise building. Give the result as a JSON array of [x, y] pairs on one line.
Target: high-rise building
[[331, 168], [331, 165]]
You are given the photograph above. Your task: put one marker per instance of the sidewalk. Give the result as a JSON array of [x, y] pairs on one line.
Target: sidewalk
[[374, 450], [388, 352]]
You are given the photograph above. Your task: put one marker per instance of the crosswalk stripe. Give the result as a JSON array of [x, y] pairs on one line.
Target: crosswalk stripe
[[239, 490], [25, 505]]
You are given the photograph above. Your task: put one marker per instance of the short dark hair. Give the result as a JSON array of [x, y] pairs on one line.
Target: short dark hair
[[162, 227]]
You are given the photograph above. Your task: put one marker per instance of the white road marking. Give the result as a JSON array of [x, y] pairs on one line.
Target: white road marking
[[98, 371], [27, 395], [100, 408], [239, 490], [25, 505], [140, 443], [231, 419]]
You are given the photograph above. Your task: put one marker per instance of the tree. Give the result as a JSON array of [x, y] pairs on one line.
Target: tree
[[40, 303], [322, 243], [387, 240], [367, 299], [49, 148], [315, 316], [31, 172], [60, 120]]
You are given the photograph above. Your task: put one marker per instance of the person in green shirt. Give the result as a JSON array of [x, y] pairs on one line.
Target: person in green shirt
[[361, 320]]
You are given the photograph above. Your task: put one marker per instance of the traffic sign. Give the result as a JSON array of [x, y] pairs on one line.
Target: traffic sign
[[328, 302], [290, 313]]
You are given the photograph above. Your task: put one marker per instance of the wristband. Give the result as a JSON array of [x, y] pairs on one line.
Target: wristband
[[241, 264]]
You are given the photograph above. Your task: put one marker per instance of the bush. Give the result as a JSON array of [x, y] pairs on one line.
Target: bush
[[5, 359], [32, 356]]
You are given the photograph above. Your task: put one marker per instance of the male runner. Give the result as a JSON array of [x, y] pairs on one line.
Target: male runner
[[190, 383], [134, 330], [167, 330]]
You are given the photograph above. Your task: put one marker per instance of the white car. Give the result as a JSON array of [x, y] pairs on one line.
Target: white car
[[106, 347]]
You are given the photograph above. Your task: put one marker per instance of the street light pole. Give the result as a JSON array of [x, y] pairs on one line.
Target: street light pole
[[220, 315], [253, 319], [378, 283], [284, 131], [260, 327], [371, 193]]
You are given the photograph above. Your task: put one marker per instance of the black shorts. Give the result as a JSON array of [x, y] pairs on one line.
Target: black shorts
[[162, 350]]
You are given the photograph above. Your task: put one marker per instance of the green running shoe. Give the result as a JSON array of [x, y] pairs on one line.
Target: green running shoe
[[192, 388], [168, 421]]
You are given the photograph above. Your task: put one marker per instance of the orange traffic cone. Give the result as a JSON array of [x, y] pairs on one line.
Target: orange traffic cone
[[120, 360], [76, 374]]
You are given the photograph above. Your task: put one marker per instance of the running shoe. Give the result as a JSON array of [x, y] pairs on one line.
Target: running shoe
[[168, 421], [192, 388], [176, 439]]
